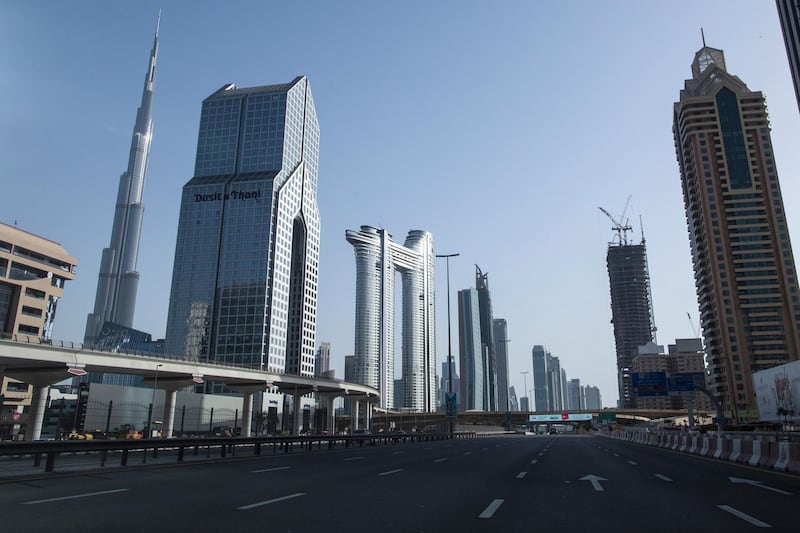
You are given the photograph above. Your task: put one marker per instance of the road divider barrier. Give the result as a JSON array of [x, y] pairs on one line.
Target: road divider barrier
[[764, 451]]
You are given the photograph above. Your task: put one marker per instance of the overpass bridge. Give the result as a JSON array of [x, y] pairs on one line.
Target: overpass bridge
[[43, 363]]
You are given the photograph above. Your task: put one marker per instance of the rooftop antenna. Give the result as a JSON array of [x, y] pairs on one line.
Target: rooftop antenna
[[703, 36], [158, 24], [641, 227]]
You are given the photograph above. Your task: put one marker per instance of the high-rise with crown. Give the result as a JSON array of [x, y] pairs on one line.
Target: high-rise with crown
[[115, 300], [244, 283], [744, 269]]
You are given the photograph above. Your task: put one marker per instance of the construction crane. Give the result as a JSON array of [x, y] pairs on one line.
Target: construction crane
[[694, 329], [621, 225]]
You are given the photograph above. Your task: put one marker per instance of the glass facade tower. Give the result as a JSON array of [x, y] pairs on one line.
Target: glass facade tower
[[244, 283]]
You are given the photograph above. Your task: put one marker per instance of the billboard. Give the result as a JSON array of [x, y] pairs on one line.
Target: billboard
[[648, 384], [560, 417], [778, 392]]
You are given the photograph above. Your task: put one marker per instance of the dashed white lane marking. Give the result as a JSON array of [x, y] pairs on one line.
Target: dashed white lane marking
[[86, 495], [533, 461], [662, 477], [467, 453], [491, 509], [746, 517], [440, 460], [521, 475], [271, 469], [398, 453], [486, 449], [396, 470], [616, 455], [541, 454], [633, 463], [353, 458], [274, 500]]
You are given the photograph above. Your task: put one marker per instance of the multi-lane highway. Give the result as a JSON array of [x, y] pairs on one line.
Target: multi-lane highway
[[502, 483]]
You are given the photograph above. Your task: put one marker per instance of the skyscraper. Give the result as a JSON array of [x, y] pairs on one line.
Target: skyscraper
[[323, 359], [631, 307], [487, 337], [472, 389], [539, 355], [244, 284], [555, 399], [377, 259], [500, 333], [744, 269], [789, 14], [115, 300]]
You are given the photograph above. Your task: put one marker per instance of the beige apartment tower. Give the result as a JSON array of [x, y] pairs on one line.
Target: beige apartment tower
[[744, 269], [33, 271]]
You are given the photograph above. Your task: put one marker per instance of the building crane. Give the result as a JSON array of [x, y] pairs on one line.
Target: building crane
[[621, 225]]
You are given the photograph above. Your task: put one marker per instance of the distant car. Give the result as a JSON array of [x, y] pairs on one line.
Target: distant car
[[520, 429], [552, 431], [362, 432]]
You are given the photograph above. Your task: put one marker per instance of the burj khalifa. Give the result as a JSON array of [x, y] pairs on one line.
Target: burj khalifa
[[118, 281]]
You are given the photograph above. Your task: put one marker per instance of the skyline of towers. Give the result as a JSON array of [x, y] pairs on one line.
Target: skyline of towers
[[745, 276], [378, 257], [244, 283], [631, 308], [472, 393], [118, 279]]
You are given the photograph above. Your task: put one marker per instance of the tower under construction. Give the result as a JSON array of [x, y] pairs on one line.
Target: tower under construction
[[631, 303]]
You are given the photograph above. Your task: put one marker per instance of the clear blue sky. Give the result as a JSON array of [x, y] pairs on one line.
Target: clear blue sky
[[498, 126]]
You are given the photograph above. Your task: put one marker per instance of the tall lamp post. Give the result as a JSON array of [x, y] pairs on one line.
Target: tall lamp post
[[153, 404], [449, 341]]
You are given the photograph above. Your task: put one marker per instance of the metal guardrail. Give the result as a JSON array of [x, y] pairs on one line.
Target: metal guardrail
[[223, 445]]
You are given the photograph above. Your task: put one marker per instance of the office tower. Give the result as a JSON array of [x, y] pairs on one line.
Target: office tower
[[540, 389], [115, 300], [555, 400], [244, 284], [524, 404], [500, 334], [323, 359], [789, 15], [377, 260], [631, 306], [564, 388], [487, 337], [33, 272], [593, 400], [512, 399], [574, 394], [472, 391], [744, 269]]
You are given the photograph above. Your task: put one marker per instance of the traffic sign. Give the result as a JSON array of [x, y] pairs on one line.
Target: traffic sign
[[450, 405], [77, 371], [649, 384]]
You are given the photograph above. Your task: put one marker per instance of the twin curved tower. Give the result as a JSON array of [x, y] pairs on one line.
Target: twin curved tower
[[377, 260]]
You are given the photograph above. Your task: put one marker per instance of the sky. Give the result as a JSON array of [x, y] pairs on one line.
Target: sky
[[500, 127]]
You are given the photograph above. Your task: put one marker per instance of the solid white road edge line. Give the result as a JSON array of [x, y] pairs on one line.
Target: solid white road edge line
[[274, 500], [746, 517], [75, 496]]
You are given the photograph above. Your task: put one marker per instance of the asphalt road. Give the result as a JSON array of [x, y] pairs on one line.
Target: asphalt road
[[504, 483]]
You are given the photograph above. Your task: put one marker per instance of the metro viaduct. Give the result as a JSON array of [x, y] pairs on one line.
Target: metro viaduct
[[40, 364]]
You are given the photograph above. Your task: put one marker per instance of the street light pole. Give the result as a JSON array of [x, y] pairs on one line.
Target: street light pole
[[449, 340]]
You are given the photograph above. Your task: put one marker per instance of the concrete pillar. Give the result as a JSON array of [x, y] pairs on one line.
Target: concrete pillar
[[33, 429], [331, 423], [297, 413], [368, 416], [170, 396], [354, 418], [247, 413]]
